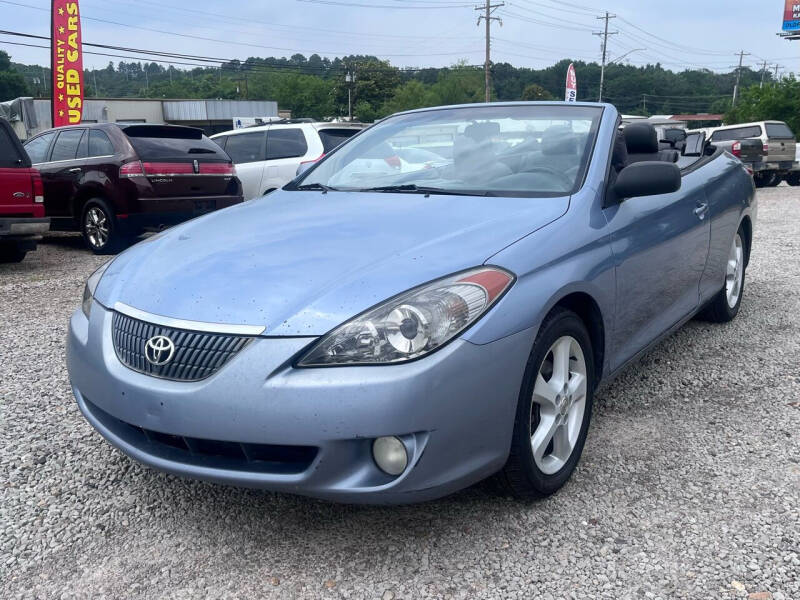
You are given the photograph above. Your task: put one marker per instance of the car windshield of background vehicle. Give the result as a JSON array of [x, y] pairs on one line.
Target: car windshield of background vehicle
[[522, 151], [779, 130]]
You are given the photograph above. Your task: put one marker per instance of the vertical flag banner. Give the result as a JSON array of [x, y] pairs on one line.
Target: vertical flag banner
[[791, 15], [66, 63], [572, 85]]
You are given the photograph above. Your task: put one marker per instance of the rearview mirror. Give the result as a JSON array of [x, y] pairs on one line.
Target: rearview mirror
[[647, 179]]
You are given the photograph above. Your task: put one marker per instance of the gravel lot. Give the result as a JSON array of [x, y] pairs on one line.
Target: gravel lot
[[689, 485]]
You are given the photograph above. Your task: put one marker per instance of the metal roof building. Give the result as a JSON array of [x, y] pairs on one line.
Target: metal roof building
[[32, 115]]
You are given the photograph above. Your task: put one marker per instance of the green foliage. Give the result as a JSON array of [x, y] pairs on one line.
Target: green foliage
[[780, 102], [12, 84], [315, 87], [533, 91]]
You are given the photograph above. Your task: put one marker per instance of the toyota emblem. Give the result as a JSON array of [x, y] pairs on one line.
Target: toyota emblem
[[159, 350]]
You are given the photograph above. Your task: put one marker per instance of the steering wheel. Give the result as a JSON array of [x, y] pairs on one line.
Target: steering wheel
[[548, 171]]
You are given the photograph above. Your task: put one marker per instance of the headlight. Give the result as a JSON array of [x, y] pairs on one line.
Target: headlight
[[412, 324], [91, 286]]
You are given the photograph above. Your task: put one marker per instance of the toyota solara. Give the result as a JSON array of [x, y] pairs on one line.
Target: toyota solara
[[379, 332]]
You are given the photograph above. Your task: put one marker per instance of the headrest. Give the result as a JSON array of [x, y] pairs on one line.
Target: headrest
[[482, 131], [669, 155], [566, 143], [640, 138]]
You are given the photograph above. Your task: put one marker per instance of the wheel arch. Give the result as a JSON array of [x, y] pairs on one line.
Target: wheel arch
[[83, 196], [588, 310], [747, 228]]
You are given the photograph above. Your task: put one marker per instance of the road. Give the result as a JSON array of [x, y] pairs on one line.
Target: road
[[689, 485]]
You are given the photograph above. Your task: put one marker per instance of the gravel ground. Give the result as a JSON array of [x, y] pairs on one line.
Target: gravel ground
[[689, 485]]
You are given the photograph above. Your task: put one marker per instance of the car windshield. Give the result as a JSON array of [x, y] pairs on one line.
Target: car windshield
[[524, 150]]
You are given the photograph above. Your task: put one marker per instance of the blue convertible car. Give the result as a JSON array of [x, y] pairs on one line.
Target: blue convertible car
[[387, 331]]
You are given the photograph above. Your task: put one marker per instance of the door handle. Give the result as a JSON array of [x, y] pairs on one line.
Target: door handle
[[701, 210], [75, 170]]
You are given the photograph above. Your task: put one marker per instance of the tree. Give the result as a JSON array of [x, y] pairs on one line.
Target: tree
[[412, 94], [534, 91], [12, 84], [779, 101]]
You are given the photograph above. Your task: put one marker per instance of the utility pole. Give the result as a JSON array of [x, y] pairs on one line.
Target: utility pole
[[604, 34], [644, 103], [776, 72], [94, 77], [488, 9], [763, 73], [742, 54], [350, 79]]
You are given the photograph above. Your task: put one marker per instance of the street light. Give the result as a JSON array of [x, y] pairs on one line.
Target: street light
[[626, 54]]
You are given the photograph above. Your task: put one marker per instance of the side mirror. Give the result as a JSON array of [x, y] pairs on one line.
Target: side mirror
[[647, 179]]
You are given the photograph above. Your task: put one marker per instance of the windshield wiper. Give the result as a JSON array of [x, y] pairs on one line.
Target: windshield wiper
[[316, 186], [412, 188]]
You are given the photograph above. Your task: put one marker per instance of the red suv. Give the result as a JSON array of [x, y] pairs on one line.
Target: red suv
[[112, 181], [22, 220]]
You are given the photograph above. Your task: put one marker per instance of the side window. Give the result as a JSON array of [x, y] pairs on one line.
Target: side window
[[99, 144], [220, 141], [9, 157], [286, 143], [66, 146], [747, 132], [246, 147], [37, 148]]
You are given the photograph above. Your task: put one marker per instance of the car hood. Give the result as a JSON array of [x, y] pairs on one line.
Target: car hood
[[301, 263]]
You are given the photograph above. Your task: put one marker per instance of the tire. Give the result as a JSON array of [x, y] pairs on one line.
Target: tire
[[725, 305], [11, 253], [793, 178], [540, 464], [99, 228], [774, 179]]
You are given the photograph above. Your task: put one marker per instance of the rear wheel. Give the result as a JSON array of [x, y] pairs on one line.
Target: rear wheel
[[793, 178], [725, 305], [554, 409], [99, 227]]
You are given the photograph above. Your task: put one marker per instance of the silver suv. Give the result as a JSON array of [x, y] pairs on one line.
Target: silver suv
[[779, 147]]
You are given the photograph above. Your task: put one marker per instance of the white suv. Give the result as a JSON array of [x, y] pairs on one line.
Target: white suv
[[267, 156]]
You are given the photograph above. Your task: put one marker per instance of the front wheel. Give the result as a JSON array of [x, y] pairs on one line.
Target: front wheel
[[793, 178], [11, 253], [725, 305], [99, 227], [554, 409]]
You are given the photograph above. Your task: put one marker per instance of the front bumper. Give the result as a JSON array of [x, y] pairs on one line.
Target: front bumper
[[454, 411]]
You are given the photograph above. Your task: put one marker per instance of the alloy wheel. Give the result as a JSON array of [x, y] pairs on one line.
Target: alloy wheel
[[559, 403], [734, 272], [96, 227]]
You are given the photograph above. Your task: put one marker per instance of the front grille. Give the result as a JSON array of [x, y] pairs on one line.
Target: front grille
[[197, 355], [215, 454]]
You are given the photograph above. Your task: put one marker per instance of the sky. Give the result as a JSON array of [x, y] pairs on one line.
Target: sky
[[419, 33]]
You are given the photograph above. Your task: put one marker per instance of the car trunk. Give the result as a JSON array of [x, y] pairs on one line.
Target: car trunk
[[751, 151], [781, 142], [20, 185], [180, 161]]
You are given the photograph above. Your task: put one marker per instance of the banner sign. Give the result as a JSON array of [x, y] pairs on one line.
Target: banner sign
[[791, 16], [572, 85], [66, 63]]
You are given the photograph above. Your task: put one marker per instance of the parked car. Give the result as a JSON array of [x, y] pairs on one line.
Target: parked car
[[397, 338], [778, 144], [793, 177], [111, 182], [267, 157], [22, 220]]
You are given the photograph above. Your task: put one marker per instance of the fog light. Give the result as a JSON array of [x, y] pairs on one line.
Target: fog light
[[390, 455]]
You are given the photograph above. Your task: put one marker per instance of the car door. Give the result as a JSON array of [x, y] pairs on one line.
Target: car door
[[248, 153], [16, 187], [660, 246], [286, 148], [62, 172]]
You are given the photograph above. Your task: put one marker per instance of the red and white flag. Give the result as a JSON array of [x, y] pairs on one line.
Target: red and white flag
[[572, 85]]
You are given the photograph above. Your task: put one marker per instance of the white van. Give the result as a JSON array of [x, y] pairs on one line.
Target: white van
[[267, 156]]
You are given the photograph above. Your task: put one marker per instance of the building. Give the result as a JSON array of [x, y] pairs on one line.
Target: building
[[29, 116]]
